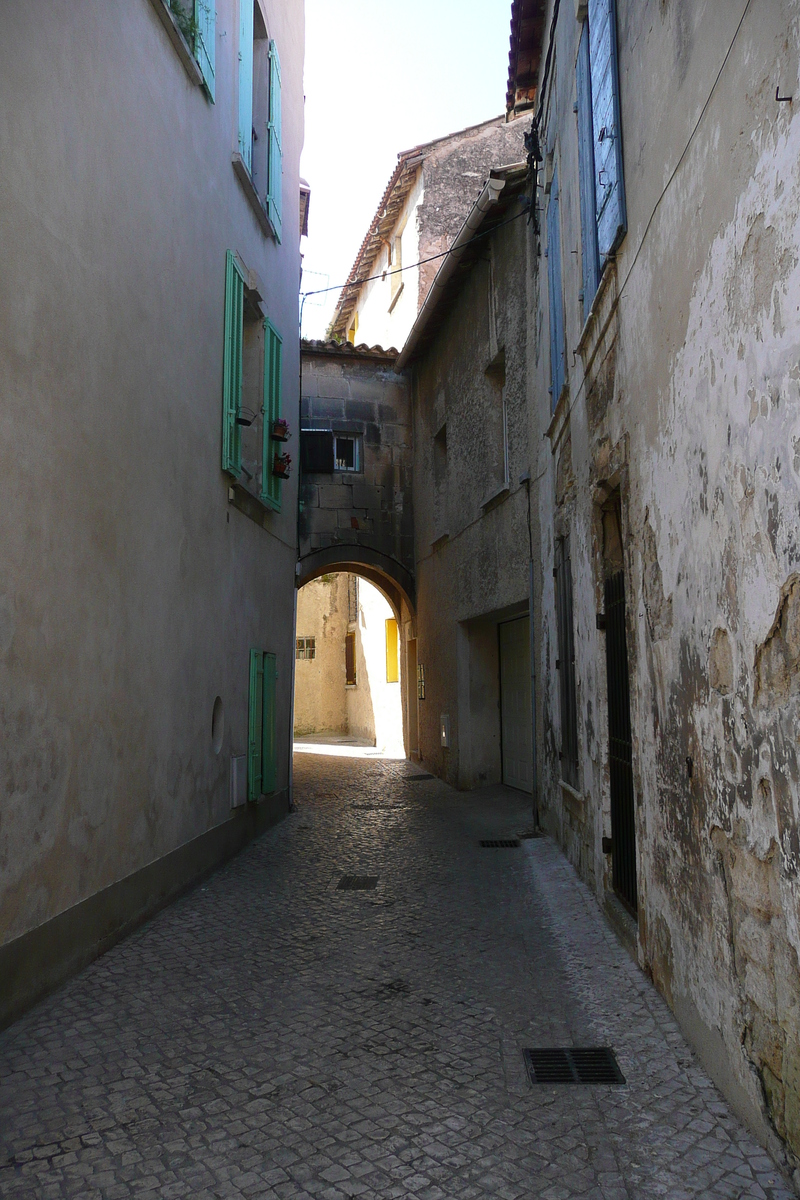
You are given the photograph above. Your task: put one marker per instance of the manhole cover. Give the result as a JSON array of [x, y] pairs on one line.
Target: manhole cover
[[500, 843], [356, 883], [414, 778], [572, 1064]]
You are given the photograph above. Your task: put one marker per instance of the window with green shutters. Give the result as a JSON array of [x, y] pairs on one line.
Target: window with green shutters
[[262, 726], [273, 368], [259, 163], [275, 167], [232, 366], [205, 20]]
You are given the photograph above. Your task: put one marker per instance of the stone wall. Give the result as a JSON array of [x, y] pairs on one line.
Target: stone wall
[[320, 700], [681, 413]]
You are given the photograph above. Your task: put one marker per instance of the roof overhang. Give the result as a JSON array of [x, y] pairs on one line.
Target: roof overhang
[[524, 55]]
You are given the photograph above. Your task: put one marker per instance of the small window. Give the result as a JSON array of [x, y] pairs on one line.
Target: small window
[[350, 658], [353, 330], [306, 647], [347, 452]]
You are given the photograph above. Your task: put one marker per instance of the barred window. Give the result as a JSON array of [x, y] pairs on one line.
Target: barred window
[[306, 647]]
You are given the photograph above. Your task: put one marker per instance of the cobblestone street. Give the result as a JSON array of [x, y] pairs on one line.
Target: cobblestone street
[[270, 1035]]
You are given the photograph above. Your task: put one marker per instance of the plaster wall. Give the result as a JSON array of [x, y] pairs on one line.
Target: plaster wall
[[131, 591], [374, 709], [682, 397], [384, 316], [320, 702], [472, 546]]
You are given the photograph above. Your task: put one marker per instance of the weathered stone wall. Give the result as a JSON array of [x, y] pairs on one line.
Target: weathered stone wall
[[357, 392], [682, 406], [132, 591], [471, 529]]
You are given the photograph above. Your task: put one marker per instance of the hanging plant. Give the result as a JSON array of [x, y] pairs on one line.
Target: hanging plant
[[280, 430], [281, 465]]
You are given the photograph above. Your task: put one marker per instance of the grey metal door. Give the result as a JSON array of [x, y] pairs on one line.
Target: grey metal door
[[515, 702]]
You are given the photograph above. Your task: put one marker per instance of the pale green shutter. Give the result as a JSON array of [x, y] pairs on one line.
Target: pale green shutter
[[246, 82], [269, 757], [255, 726], [555, 295], [275, 168], [273, 367], [232, 367], [589, 253], [205, 17]]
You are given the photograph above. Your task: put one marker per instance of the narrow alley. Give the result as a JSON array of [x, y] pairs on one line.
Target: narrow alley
[[271, 1034]]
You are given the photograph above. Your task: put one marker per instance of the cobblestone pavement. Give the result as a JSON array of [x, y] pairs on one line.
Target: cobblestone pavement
[[269, 1035]]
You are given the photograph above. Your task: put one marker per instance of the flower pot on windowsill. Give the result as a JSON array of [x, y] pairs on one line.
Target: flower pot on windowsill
[[281, 465], [280, 431]]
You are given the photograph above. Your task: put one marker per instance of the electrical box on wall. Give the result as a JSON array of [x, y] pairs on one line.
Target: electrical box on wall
[[444, 729]]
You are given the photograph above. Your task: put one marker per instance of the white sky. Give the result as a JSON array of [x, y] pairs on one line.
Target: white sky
[[382, 76]]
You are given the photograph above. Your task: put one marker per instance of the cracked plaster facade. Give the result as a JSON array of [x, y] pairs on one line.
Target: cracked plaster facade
[[682, 401]]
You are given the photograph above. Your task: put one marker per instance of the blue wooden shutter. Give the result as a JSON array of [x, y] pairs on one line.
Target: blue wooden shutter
[[205, 16], [246, 82], [557, 350], [612, 219], [232, 367], [275, 167], [269, 756], [589, 253], [273, 382], [255, 726]]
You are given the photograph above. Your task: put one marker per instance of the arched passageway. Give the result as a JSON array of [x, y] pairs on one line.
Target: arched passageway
[[351, 664]]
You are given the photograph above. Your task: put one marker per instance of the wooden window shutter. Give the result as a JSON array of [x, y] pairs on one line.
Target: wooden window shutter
[[392, 656], [246, 82], [232, 367], [610, 207], [316, 451], [255, 733], [350, 658], [205, 39], [273, 383], [557, 345], [275, 165], [269, 727], [589, 252]]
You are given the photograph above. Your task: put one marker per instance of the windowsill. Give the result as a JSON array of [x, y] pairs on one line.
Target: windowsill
[[496, 498], [179, 42], [438, 542], [396, 297], [249, 189], [588, 340], [252, 506], [573, 801]]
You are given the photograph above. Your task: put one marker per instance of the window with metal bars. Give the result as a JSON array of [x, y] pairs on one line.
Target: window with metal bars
[[566, 664], [306, 647]]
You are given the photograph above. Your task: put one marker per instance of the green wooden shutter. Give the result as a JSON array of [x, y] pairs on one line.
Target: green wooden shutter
[[556, 299], [255, 726], [246, 82], [273, 368], [275, 167], [269, 756], [232, 367], [612, 217], [205, 16], [589, 252]]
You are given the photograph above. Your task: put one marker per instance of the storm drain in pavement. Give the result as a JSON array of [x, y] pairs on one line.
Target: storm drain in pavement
[[572, 1064], [356, 883], [500, 843], [414, 778]]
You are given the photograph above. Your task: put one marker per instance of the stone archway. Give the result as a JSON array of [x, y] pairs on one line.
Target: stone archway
[[396, 583]]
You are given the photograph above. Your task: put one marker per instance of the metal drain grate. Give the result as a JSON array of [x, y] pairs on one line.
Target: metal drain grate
[[414, 778], [356, 883], [572, 1064], [500, 844]]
